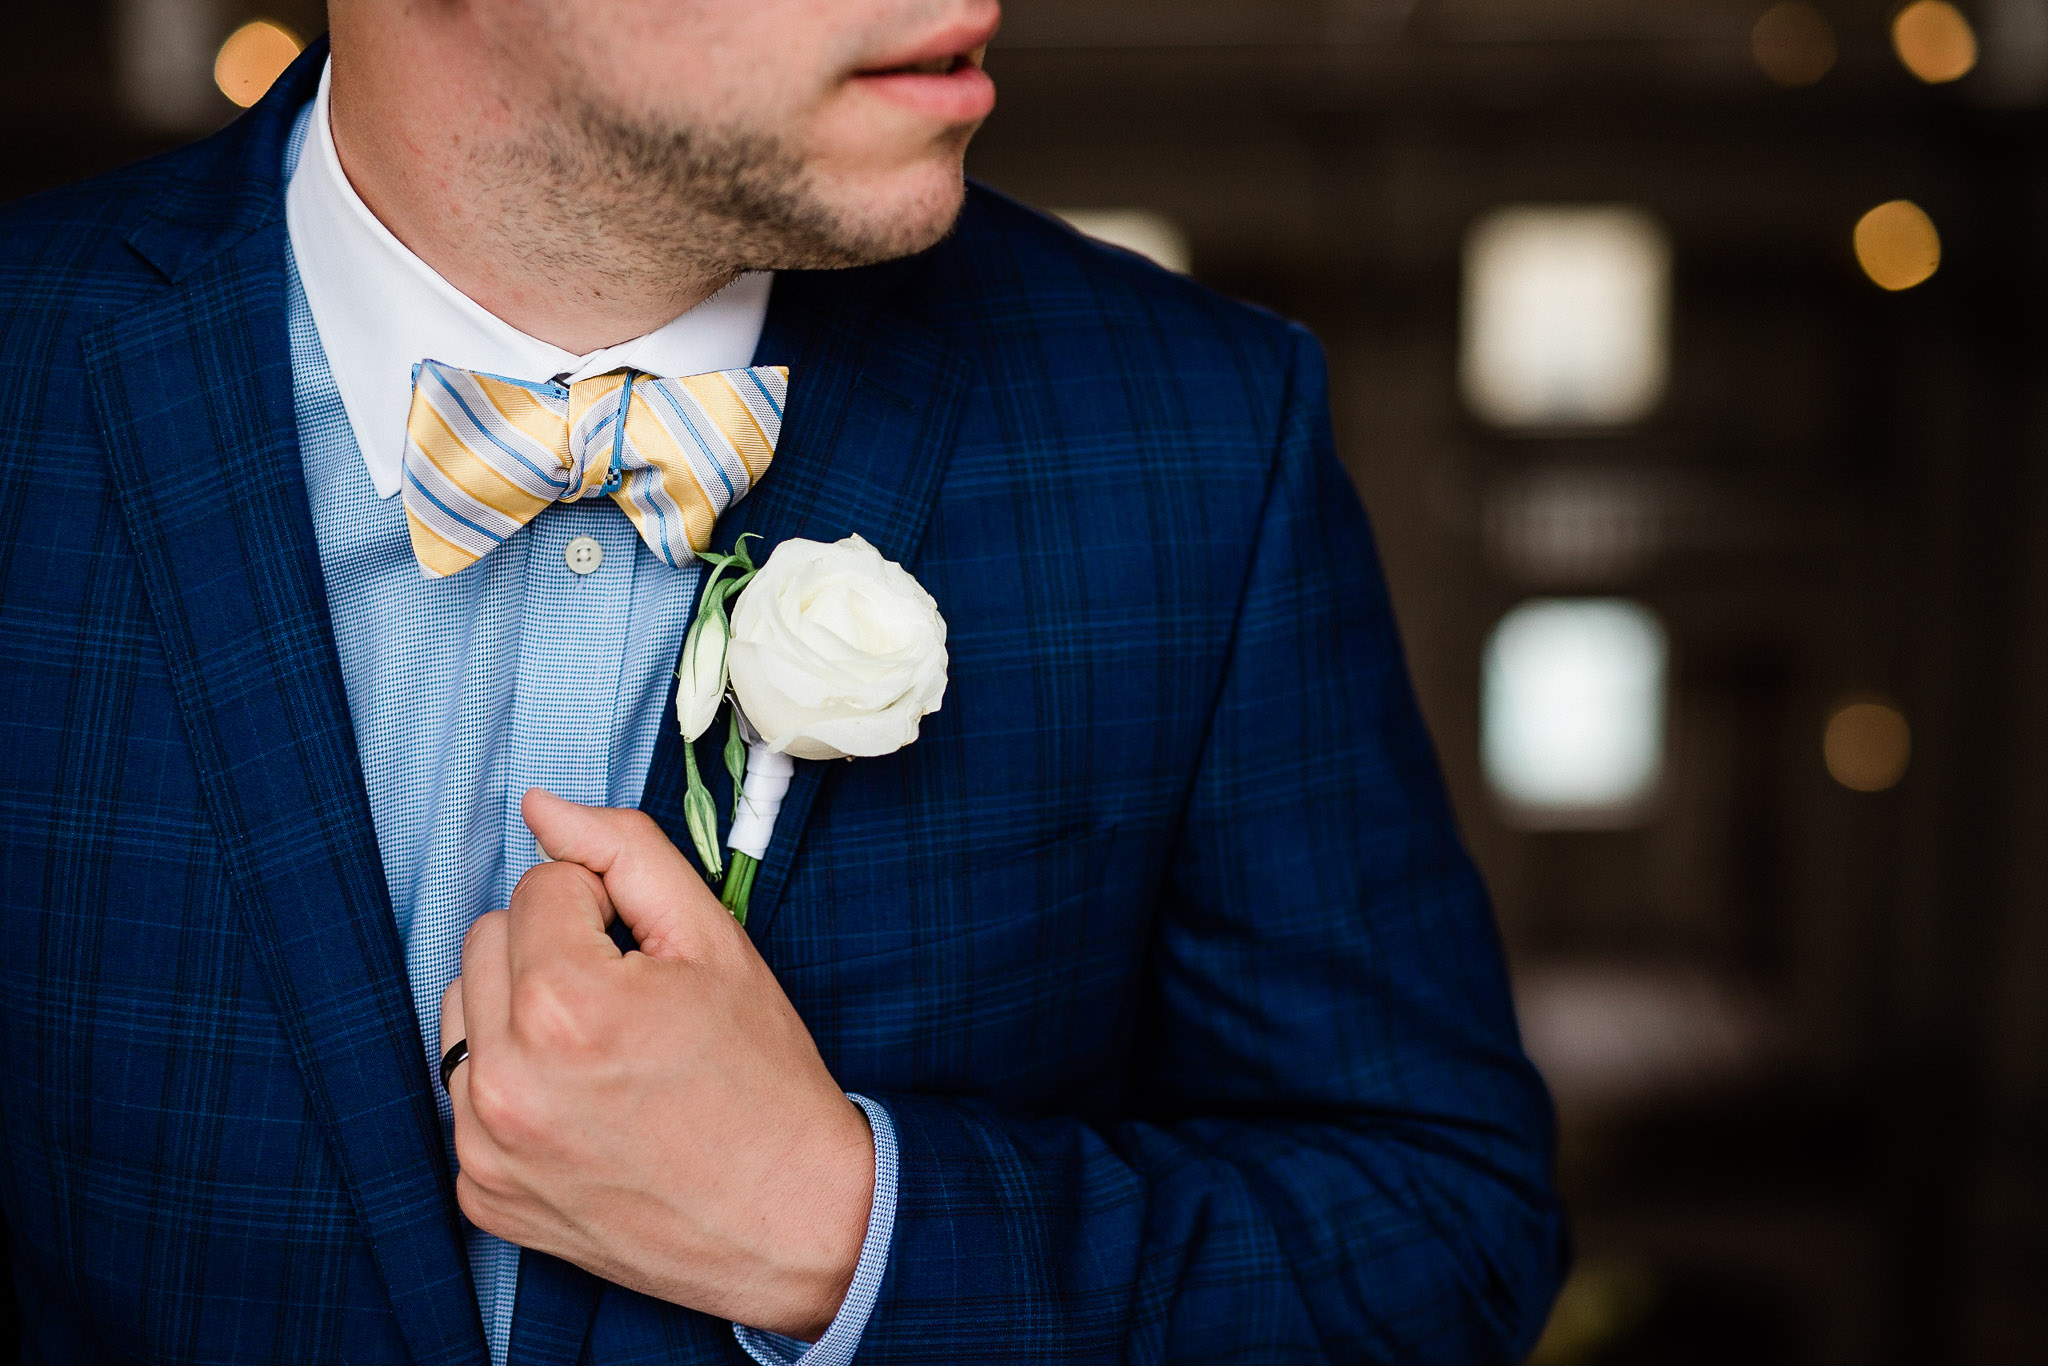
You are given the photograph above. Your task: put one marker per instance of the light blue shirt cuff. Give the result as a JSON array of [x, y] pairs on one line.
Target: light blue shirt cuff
[[837, 1346]]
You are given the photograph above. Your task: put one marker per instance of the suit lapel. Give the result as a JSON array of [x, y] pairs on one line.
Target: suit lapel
[[875, 400], [193, 392], [194, 397]]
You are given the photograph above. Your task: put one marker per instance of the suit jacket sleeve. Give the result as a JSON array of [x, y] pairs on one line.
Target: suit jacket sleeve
[[1336, 1150]]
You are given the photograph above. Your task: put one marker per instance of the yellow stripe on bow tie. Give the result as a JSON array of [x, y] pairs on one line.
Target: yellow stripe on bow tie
[[485, 454], [648, 503], [461, 466], [726, 407], [524, 412], [438, 556]]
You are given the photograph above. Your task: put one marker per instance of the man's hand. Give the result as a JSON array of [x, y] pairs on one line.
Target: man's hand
[[661, 1118]]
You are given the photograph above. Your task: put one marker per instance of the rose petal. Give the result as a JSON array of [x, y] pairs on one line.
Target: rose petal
[[836, 651]]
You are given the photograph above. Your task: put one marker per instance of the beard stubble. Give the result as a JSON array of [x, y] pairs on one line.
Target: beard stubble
[[684, 205]]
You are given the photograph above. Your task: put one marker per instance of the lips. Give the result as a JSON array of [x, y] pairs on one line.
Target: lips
[[942, 78], [936, 66], [943, 51]]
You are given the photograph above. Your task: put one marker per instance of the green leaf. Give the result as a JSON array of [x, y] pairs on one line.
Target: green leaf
[[719, 571], [732, 587], [735, 755], [721, 563], [700, 816]]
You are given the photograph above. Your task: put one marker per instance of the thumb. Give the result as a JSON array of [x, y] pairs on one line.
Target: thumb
[[651, 885]]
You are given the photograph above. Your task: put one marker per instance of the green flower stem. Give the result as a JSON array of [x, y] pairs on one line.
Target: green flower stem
[[699, 812], [735, 756], [739, 885]]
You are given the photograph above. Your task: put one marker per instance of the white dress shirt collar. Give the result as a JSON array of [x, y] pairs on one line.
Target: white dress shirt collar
[[380, 310]]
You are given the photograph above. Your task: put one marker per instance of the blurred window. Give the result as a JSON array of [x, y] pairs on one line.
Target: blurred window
[[1567, 315], [2015, 70], [1572, 712], [164, 55], [1576, 526], [1149, 233]]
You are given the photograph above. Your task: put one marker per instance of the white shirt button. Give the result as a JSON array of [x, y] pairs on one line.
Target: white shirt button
[[583, 555]]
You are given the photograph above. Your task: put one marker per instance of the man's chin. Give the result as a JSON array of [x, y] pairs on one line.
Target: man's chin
[[871, 236], [920, 234]]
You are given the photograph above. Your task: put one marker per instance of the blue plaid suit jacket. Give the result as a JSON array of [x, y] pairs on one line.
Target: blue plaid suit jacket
[[1159, 945]]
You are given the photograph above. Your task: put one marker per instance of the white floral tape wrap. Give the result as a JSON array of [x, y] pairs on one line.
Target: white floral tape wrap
[[767, 781]]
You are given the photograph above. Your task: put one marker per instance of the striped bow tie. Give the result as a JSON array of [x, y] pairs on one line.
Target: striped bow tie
[[484, 454]]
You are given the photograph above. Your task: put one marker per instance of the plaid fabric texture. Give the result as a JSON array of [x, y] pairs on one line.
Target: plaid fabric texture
[[1159, 945]]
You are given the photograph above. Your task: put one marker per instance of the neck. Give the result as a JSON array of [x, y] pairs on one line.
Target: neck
[[449, 166]]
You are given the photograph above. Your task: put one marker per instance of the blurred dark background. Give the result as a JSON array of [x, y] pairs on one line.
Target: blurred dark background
[[1689, 356]]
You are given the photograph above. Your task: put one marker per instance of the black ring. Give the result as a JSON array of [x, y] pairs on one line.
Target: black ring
[[453, 1059]]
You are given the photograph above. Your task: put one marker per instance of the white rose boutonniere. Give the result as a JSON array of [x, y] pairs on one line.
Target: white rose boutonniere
[[827, 652], [836, 653]]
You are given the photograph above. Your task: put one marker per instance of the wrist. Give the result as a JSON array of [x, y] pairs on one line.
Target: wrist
[[823, 1221]]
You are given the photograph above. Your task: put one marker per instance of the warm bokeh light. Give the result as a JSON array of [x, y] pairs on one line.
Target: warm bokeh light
[[1897, 246], [1793, 43], [253, 56], [1866, 746], [1935, 41]]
